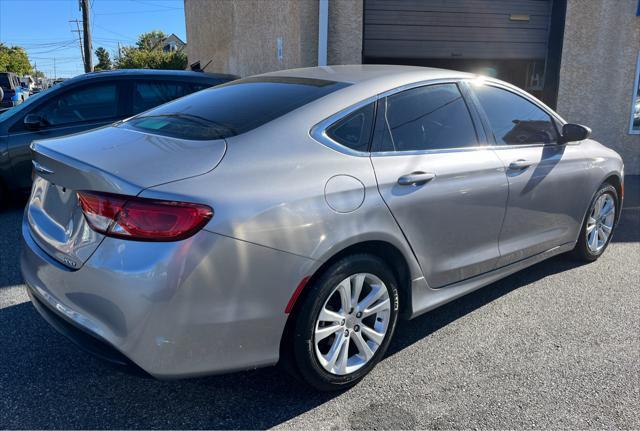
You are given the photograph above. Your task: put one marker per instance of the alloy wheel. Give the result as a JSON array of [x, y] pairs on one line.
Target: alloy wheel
[[600, 222], [352, 324]]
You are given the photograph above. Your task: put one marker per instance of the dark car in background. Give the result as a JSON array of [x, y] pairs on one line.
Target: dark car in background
[[12, 92], [86, 102]]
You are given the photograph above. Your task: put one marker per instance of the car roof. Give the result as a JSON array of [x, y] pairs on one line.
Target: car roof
[[123, 73], [359, 73]]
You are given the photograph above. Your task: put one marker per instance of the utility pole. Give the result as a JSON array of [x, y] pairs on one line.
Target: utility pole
[[88, 48], [79, 39], [54, 68]]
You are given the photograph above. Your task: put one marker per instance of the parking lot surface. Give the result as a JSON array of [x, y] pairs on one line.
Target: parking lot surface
[[554, 346]]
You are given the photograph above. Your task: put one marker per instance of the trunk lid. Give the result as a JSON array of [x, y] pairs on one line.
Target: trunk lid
[[110, 159]]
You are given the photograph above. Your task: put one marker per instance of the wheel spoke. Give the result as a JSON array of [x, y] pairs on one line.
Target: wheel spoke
[[330, 316], [343, 358], [363, 348], [332, 355], [344, 289], [356, 287], [376, 292], [598, 205], [593, 240], [606, 229], [607, 209], [373, 335], [377, 308], [322, 333]]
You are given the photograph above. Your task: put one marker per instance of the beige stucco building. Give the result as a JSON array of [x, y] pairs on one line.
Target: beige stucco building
[[580, 56]]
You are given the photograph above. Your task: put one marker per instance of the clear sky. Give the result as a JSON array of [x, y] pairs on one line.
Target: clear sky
[[42, 27]]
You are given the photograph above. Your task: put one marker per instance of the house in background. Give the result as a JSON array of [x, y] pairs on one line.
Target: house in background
[[580, 57], [171, 43]]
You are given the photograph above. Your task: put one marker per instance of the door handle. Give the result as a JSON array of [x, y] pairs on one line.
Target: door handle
[[520, 164], [415, 178]]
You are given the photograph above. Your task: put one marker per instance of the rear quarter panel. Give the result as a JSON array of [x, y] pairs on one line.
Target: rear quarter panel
[[272, 188]]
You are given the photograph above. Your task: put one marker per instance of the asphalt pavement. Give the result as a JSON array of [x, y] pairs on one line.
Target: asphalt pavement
[[554, 346]]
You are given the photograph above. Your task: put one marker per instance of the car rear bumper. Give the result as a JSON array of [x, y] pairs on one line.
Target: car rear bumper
[[205, 305]]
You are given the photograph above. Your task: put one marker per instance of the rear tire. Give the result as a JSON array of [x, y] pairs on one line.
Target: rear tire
[[335, 349], [599, 223]]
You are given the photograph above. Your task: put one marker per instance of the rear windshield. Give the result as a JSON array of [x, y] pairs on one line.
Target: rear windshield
[[233, 108]]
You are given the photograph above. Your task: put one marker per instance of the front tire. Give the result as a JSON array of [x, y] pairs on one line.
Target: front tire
[[346, 322], [599, 223]]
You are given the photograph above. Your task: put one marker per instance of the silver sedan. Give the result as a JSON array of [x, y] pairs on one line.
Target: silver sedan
[[293, 217]]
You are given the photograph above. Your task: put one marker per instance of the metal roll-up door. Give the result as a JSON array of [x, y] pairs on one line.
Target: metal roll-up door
[[462, 29]]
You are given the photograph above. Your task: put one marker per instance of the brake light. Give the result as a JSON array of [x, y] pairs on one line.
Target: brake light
[[142, 219]]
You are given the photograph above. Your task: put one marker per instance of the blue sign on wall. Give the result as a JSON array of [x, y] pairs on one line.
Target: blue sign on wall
[[638, 11]]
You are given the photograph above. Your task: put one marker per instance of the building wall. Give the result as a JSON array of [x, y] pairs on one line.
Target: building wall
[[345, 32], [599, 55], [240, 36]]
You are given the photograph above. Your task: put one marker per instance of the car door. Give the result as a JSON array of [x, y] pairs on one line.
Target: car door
[[546, 200], [80, 108], [445, 187]]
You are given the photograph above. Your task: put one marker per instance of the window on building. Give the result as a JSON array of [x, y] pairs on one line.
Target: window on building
[[634, 126], [426, 118], [354, 131], [514, 120]]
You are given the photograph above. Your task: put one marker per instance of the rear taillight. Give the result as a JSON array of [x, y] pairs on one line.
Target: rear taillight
[[142, 219]]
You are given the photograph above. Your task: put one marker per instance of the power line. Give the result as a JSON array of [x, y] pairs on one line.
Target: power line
[[133, 12], [79, 37], [157, 5]]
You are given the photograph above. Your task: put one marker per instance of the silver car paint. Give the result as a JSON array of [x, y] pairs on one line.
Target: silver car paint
[[284, 204]]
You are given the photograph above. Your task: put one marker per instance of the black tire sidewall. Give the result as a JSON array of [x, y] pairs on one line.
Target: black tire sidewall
[[304, 349], [582, 249]]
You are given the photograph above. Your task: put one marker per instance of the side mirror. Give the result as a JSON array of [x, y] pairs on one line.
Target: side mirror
[[575, 132], [33, 122]]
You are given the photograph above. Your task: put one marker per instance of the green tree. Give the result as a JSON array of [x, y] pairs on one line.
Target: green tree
[[148, 54], [104, 61], [150, 40], [14, 59]]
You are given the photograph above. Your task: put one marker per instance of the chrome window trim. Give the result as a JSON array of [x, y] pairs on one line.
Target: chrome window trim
[[520, 92], [636, 90], [318, 132]]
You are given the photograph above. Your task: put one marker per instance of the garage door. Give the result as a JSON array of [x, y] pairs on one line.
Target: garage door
[[464, 29]]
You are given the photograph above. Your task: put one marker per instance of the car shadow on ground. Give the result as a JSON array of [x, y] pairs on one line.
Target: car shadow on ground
[[47, 382], [53, 384]]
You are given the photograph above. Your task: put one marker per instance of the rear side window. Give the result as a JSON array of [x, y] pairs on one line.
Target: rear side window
[[239, 106], [514, 120], [354, 131], [425, 118], [149, 94]]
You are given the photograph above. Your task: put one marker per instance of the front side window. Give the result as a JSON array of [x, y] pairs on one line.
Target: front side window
[[425, 118], [354, 131], [87, 103], [513, 119], [234, 108]]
